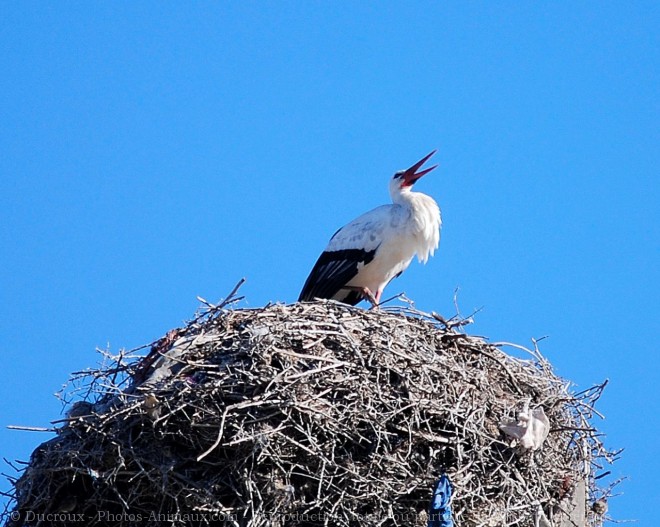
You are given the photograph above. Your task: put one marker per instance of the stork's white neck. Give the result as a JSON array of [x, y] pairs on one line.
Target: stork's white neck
[[403, 195], [424, 219]]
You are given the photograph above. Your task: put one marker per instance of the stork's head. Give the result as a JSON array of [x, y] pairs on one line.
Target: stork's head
[[403, 180]]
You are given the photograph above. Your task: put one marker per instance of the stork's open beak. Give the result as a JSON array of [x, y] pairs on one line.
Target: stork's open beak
[[410, 176]]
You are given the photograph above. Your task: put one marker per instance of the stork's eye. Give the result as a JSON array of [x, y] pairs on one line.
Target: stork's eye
[[398, 175]]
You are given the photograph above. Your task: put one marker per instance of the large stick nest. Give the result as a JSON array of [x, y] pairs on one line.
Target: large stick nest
[[313, 414]]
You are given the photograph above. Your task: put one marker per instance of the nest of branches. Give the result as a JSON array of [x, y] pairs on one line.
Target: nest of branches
[[315, 414]]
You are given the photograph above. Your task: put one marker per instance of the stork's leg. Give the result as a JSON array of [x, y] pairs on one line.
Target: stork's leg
[[375, 301], [366, 294], [378, 293]]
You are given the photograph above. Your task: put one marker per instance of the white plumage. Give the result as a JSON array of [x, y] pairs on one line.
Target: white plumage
[[366, 254]]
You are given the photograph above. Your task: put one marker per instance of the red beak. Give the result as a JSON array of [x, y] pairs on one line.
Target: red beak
[[410, 176]]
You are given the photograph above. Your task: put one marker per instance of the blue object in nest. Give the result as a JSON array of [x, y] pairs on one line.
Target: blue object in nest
[[440, 510]]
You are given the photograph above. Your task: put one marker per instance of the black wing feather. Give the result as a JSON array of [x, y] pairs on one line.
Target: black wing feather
[[332, 271]]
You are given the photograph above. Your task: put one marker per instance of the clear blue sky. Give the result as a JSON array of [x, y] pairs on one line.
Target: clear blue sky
[[151, 152]]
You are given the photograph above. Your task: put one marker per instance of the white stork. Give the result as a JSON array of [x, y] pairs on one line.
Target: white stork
[[365, 255]]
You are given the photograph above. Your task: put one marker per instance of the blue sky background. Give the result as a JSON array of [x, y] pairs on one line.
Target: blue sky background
[[151, 152]]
